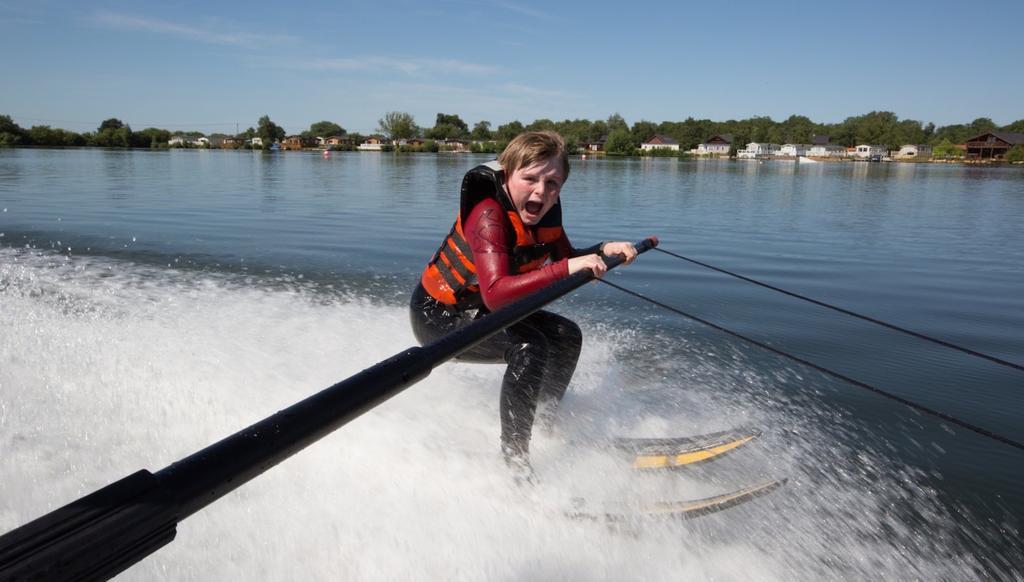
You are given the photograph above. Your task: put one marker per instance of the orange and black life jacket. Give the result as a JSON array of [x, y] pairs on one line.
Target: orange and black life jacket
[[450, 276]]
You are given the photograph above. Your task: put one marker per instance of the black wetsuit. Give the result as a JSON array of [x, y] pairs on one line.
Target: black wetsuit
[[541, 352]]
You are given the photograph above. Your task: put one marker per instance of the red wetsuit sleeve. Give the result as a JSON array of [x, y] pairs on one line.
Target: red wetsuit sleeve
[[488, 231]]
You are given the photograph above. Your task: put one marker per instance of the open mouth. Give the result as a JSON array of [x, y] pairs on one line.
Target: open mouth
[[533, 207]]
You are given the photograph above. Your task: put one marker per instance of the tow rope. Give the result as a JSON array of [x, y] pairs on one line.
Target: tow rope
[[864, 385], [891, 326]]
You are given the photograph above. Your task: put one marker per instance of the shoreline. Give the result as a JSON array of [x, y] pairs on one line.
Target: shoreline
[[321, 151]]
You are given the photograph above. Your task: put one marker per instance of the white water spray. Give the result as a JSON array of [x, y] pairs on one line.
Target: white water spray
[[108, 367]]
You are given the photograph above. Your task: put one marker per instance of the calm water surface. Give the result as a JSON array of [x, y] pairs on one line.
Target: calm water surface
[[934, 248]]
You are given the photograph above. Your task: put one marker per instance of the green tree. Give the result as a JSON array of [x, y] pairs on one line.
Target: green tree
[[113, 133], [268, 131], [482, 131], [598, 130], [110, 124], [620, 141], [947, 150], [1016, 154], [324, 129], [982, 125], [953, 133], [643, 131], [575, 130], [151, 137], [509, 130], [543, 124], [43, 135], [396, 125], [798, 129], [615, 121], [11, 133], [448, 127], [1015, 127]]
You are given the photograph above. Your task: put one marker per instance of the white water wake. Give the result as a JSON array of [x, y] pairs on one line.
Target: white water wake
[[108, 367]]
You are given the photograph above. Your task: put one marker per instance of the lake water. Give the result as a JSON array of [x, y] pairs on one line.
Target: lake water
[[154, 302]]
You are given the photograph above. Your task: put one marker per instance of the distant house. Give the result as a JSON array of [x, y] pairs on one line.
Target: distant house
[[454, 145], [992, 145], [374, 143], [758, 150], [297, 142], [596, 145], [660, 142], [793, 150], [256, 142], [868, 151], [717, 145], [827, 151], [229, 143], [337, 140], [414, 142], [183, 141], [910, 151]]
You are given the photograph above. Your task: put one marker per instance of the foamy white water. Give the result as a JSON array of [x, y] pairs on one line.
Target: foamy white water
[[108, 367]]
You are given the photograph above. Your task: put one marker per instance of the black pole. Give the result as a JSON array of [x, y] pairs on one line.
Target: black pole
[[102, 534]]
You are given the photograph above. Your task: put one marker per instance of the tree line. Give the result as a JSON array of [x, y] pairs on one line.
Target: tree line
[[877, 127]]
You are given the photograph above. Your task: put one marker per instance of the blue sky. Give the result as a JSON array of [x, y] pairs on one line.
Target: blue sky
[[208, 66]]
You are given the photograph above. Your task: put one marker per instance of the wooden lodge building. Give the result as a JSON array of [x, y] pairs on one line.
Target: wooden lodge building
[[992, 145]]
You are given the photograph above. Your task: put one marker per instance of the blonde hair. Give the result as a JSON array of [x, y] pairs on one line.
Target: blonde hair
[[531, 147]]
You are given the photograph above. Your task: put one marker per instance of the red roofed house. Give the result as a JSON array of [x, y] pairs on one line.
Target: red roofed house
[[660, 142]]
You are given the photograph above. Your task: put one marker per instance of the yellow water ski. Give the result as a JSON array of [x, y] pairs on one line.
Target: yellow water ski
[[671, 453], [676, 509]]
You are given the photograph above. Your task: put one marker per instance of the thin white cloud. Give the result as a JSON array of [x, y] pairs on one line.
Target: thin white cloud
[[524, 10], [413, 67], [505, 5], [197, 34], [498, 103]]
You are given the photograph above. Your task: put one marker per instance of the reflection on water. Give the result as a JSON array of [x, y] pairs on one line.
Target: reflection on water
[[935, 248]]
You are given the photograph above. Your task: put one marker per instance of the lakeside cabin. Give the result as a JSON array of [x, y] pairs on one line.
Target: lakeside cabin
[[660, 142], [792, 150], [337, 140], [755, 150], [717, 145], [186, 141], [827, 150], [913, 151], [297, 142], [992, 145], [453, 145], [373, 143]]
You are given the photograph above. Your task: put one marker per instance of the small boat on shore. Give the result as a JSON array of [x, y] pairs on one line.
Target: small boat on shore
[[806, 160]]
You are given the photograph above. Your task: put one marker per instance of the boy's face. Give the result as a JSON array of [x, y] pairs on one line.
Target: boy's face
[[534, 189]]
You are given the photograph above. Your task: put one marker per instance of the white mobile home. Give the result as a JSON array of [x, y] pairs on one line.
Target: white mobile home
[[867, 151], [827, 151], [793, 149], [758, 150]]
